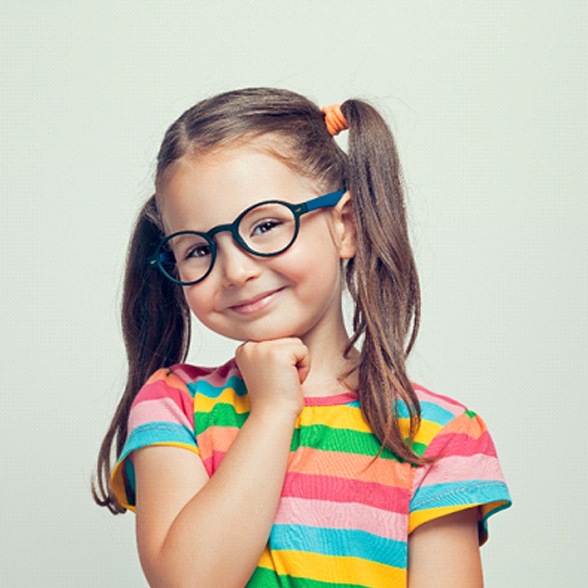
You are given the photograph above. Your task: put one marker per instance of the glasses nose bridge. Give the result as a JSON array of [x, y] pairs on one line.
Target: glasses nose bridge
[[232, 228]]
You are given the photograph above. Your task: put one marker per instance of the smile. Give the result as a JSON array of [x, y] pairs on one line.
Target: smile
[[255, 304]]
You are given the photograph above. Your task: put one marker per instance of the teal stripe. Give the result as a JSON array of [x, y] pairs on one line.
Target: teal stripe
[[157, 432], [429, 412], [468, 492], [339, 543], [207, 389], [153, 433]]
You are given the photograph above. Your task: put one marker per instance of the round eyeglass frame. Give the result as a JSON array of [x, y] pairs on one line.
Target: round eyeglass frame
[[161, 256]]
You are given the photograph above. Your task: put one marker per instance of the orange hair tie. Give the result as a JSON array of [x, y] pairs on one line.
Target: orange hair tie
[[335, 119]]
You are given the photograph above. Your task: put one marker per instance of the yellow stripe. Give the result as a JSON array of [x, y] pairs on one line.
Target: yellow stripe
[[117, 484], [418, 518], [490, 506], [332, 568], [228, 396], [426, 432], [344, 417]]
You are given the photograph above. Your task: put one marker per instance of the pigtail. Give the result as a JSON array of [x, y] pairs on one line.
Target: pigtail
[[382, 279], [156, 331]]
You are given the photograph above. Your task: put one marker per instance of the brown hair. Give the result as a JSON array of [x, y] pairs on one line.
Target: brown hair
[[381, 278]]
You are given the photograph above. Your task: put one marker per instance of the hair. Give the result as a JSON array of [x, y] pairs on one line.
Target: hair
[[381, 278]]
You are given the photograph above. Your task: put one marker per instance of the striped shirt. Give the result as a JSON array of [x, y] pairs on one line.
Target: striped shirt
[[346, 510]]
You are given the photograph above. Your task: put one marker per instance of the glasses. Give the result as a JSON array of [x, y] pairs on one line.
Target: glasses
[[264, 229]]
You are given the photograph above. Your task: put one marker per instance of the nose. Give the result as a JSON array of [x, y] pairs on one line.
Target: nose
[[235, 265]]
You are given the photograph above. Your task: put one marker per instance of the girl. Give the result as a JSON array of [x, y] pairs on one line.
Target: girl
[[309, 459]]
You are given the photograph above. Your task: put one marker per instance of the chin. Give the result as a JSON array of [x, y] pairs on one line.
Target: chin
[[259, 335]]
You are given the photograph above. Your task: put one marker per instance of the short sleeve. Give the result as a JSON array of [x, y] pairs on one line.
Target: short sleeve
[[161, 414], [464, 473]]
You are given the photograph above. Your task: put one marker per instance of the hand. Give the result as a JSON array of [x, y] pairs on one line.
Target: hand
[[274, 372]]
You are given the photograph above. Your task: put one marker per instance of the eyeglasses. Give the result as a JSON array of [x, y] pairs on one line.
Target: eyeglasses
[[264, 229]]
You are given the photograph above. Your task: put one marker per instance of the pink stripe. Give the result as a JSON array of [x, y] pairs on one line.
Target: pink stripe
[[337, 515], [462, 444], [212, 461], [217, 376], [161, 409], [448, 404], [188, 373], [165, 389], [461, 469], [334, 489], [344, 398]]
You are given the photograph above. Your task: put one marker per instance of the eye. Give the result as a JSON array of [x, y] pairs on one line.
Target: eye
[[265, 226], [197, 251]]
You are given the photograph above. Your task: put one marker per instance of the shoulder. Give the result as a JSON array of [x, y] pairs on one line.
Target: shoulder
[[166, 400], [442, 418], [463, 470], [181, 380], [162, 413], [206, 379]]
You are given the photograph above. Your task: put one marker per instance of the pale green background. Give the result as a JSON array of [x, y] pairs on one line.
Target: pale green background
[[488, 102]]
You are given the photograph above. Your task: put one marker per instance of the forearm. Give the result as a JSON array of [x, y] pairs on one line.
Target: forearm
[[229, 520]]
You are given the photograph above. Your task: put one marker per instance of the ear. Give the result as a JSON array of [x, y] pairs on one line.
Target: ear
[[344, 227]]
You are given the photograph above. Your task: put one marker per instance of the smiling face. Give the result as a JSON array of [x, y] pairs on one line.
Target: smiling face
[[296, 293]]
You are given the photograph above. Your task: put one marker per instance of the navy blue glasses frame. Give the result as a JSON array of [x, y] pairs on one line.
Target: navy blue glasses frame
[[163, 257]]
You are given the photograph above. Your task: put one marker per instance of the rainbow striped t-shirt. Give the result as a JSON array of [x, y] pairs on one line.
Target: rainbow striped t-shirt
[[345, 512]]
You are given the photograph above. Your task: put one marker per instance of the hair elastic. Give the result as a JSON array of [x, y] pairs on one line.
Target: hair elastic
[[335, 119]]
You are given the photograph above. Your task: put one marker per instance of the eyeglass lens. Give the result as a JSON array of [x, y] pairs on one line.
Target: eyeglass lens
[[266, 230]]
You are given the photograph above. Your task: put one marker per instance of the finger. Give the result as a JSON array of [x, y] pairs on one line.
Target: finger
[[302, 362]]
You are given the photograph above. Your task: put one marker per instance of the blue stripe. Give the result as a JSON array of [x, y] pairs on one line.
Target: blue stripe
[[468, 492], [339, 542], [429, 412], [150, 434], [207, 389], [157, 432]]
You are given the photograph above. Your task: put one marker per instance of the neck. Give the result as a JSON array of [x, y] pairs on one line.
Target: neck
[[328, 367]]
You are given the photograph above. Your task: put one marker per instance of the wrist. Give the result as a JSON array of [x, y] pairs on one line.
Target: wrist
[[274, 414]]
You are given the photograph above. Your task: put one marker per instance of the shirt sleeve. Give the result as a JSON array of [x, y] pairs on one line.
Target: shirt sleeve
[[161, 414], [464, 473]]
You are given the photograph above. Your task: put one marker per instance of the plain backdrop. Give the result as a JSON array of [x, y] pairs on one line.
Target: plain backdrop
[[488, 103]]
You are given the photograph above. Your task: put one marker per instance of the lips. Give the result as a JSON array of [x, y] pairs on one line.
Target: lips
[[256, 303]]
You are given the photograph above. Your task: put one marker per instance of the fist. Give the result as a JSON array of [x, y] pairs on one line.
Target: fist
[[274, 372]]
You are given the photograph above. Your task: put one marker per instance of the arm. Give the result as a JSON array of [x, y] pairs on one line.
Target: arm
[[195, 531], [445, 553]]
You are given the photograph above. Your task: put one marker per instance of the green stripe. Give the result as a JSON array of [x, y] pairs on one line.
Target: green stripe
[[333, 439], [313, 436], [264, 578], [222, 415], [418, 448], [470, 413]]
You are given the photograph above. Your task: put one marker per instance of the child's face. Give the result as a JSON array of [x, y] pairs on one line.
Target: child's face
[[246, 297]]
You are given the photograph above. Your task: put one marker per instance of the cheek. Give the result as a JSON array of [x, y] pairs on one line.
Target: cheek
[[312, 265], [199, 299]]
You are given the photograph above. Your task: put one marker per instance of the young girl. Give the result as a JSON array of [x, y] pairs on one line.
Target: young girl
[[309, 459]]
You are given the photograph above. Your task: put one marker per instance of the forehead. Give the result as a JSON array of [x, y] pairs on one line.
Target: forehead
[[210, 189]]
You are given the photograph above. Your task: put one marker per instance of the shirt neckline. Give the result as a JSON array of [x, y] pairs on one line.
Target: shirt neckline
[[344, 398]]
